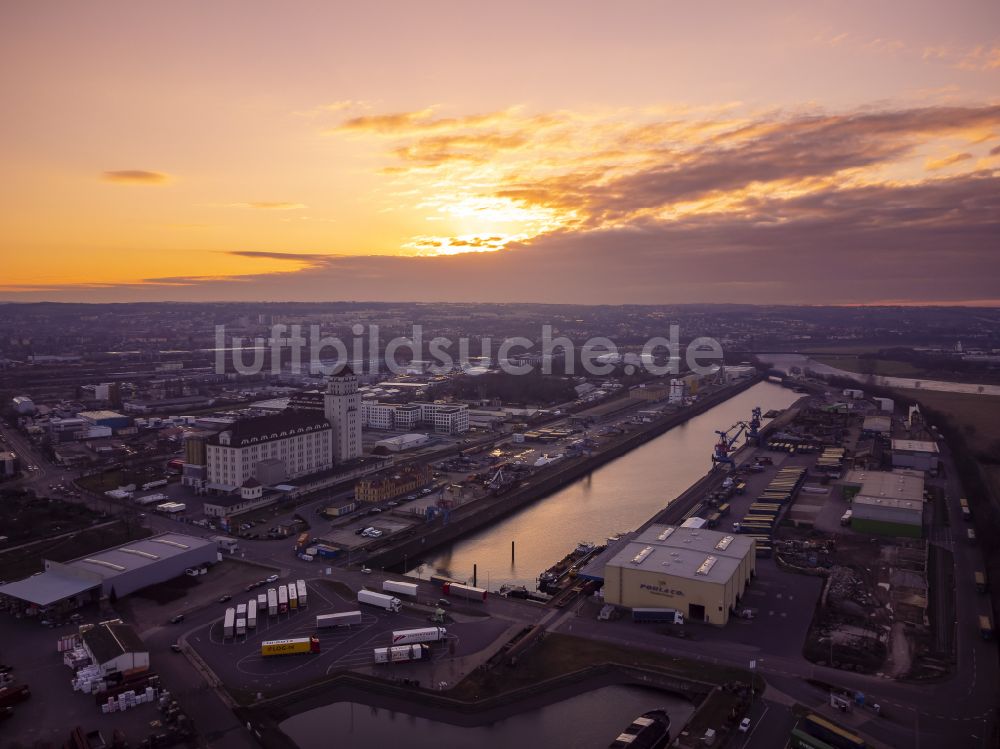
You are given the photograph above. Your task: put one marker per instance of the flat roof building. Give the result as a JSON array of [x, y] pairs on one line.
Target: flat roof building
[[122, 569], [889, 503], [922, 455], [701, 573], [877, 425]]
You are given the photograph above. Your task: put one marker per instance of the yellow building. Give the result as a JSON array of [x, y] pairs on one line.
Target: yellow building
[[701, 573], [383, 487]]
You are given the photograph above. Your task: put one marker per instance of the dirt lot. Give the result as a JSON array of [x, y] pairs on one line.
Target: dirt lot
[[25, 517]]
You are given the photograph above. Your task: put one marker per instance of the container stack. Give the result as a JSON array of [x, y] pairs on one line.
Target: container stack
[[128, 700], [89, 680], [76, 658], [67, 642]]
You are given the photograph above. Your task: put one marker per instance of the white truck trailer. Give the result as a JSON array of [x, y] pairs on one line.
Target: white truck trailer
[[300, 587], [262, 602], [384, 602], [400, 588], [401, 653], [424, 634], [229, 623], [272, 602], [252, 614], [293, 596], [241, 626], [464, 591], [282, 599], [344, 619]]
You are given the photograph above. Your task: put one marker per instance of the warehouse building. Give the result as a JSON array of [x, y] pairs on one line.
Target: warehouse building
[[111, 419], [886, 503], [877, 426], [403, 442], [121, 570], [917, 454], [115, 647], [701, 573]]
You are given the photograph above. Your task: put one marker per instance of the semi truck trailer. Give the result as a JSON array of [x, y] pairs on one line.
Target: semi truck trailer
[[401, 653], [464, 591], [294, 646], [345, 619], [424, 634], [282, 599], [300, 587], [383, 601], [669, 616], [241, 626], [400, 588], [293, 596], [252, 614], [229, 623]]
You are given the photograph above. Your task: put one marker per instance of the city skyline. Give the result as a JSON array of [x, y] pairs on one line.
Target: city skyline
[[835, 154]]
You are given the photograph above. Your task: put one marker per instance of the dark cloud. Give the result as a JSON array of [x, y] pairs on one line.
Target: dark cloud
[[296, 256], [135, 177], [934, 241], [820, 146]]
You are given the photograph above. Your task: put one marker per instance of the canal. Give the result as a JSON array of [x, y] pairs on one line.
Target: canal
[[618, 496], [592, 719]]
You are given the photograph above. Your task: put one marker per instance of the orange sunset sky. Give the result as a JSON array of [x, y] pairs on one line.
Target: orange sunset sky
[[650, 152]]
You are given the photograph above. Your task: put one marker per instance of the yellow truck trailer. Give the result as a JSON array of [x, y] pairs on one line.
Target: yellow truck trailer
[[293, 646]]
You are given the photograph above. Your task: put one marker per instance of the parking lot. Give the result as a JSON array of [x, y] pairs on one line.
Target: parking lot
[[239, 663]]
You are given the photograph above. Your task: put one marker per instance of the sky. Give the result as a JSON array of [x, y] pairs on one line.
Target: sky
[[646, 152]]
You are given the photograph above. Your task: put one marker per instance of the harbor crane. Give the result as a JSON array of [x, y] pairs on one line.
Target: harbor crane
[[726, 441], [753, 428]]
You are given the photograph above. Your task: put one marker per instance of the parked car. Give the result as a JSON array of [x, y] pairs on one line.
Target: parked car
[[272, 578], [365, 570], [744, 725], [177, 619], [176, 647], [444, 602], [223, 599]]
